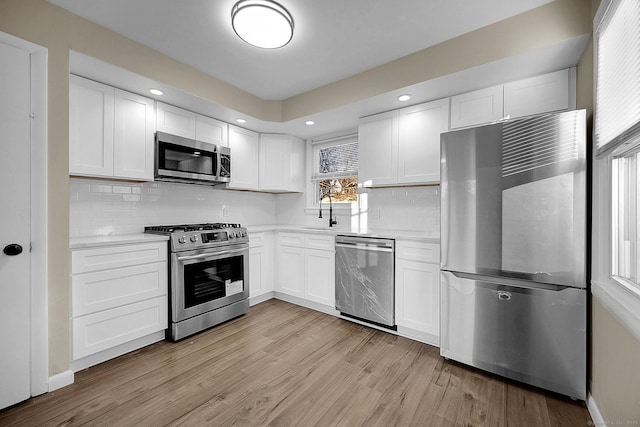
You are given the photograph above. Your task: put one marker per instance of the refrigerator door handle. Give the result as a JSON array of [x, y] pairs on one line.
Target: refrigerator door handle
[[525, 284]]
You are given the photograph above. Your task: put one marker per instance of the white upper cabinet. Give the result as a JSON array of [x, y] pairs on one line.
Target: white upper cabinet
[[378, 149], [133, 147], [244, 145], [540, 94], [187, 124], [419, 130], [402, 146], [477, 107], [211, 130], [110, 132], [281, 163], [90, 127], [176, 121]]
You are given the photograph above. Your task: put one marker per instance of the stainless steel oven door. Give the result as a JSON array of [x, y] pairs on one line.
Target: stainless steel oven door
[[203, 280]]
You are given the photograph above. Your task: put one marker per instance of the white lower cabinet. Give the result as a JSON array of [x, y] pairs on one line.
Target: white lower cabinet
[[306, 267], [418, 290], [260, 265], [118, 300]]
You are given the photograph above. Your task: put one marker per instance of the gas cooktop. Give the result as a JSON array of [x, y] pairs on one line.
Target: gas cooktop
[[185, 237]]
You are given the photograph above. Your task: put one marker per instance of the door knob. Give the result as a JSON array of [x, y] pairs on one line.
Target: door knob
[[12, 249]]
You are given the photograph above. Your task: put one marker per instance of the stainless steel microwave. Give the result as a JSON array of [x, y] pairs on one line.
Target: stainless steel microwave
[[186, 160]]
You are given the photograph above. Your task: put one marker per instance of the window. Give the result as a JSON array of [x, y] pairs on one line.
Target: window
[[334, 164], [617, 165], [625, 263]]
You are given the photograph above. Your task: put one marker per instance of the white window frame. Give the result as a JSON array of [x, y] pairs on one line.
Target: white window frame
[[313, 145], [621, 297]]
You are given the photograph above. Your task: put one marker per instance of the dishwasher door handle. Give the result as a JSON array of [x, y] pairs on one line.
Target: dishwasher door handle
[[366, 247]]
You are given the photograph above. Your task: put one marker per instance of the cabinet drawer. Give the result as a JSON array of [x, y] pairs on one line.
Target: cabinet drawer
[[291, 239], [256, 240], [418, 251], [319, 241], [102, 290], [100, 331], [86, 260]]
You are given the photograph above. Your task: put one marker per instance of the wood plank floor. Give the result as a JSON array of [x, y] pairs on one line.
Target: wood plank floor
[[285, 365]]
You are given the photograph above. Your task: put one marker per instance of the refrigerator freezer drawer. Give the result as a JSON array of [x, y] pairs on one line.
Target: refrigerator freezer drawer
[[536, 336]]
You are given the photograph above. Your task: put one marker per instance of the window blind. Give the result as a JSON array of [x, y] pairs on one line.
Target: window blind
[[337, 161], [617, 116]]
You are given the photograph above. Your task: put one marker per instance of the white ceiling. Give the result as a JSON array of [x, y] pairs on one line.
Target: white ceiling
[[333, 39]]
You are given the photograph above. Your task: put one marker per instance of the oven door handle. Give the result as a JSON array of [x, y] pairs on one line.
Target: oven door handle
[[211, 254]]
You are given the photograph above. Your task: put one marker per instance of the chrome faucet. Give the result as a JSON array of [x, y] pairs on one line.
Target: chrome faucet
[[332, 221]]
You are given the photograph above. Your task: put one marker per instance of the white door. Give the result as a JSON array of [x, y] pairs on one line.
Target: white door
[[14, 225]]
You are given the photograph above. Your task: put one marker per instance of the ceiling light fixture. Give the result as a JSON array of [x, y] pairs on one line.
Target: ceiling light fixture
[[241, 121], [262, 23], [403, 98], [156, 92], [309, 123]]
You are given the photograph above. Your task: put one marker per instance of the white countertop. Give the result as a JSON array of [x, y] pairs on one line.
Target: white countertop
[[422, 236], [121, 239]]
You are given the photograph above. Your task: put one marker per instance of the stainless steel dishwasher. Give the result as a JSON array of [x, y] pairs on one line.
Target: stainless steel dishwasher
[[365, 272]]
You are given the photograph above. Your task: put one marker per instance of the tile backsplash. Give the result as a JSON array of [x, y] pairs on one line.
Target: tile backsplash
[[108, 207], [101, 207]]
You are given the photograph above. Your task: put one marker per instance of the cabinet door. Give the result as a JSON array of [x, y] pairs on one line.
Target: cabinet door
[[176, 121], [477, 107], [244, 145], [540, 94], [212, 130], [418, 296], [419, 130], [91, 108], [274, 162], [320, 276], [133, 152], [260, 271], [106, 329], [378, 149], [291, 271]]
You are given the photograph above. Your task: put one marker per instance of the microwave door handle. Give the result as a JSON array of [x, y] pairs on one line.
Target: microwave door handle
[[211, 254]]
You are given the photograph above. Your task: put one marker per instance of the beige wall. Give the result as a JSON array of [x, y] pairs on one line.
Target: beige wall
[[47, 25]]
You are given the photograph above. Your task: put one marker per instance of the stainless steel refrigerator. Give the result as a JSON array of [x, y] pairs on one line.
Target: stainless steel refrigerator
[[514, 250]]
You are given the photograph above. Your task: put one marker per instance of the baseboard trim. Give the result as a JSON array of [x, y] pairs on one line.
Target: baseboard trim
[[260, 298], [592, 407], [60, 380]]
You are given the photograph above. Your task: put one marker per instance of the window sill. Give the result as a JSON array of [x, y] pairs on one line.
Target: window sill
[[622, 301]]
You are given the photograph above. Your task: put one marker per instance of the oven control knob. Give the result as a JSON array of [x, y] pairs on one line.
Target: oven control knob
[[232, 234], [181, 239], [194, 238], [244, 234]]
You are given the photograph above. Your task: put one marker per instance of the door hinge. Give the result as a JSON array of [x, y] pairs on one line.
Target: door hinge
[[32, 115], [30, 247]]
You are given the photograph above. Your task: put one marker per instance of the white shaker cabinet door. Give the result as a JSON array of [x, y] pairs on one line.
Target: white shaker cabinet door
[[244, 145], [539, 94], [418, 296], [274, 162], [378, 149], [320, 276], [212, 131], [291, 271], [91, 110], [419, 130], [477, 108], [133, 149], [176, 121]]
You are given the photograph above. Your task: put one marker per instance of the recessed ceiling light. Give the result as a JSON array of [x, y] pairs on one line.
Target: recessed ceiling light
[[262, 23], [403, 98], [156, 92], [310, 123], [241, 121]]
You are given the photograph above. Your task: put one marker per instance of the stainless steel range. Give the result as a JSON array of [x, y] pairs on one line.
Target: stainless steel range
[[209, 275]]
